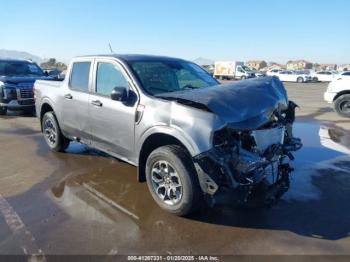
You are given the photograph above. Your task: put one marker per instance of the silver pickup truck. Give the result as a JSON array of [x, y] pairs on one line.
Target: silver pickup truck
[[191, 138]]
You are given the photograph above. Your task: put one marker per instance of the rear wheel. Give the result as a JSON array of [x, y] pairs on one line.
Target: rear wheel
[[342, 105], [315, 79], [300, 80], [52, 133], [172, 180], [3, 110]]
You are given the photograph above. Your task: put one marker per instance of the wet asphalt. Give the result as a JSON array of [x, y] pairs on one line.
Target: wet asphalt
[[86, 202]]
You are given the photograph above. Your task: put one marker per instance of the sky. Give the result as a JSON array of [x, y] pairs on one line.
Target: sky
[[272, 30]]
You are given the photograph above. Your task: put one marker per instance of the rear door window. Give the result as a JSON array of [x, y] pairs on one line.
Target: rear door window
[[79, 79]]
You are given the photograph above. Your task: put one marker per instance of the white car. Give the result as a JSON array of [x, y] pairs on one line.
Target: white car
[[291, 76], [324, 76], [273, 72], [343, 75], [338, 93]]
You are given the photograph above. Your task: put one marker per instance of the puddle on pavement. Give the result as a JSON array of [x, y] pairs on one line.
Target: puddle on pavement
[[104, 190], [325, 149]]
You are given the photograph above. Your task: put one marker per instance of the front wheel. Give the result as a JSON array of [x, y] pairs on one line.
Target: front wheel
[[342, 105], [243, 77], [52, 133], [172, 180], [300, 80]]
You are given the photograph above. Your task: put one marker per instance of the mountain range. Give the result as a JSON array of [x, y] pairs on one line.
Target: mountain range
[[13, 54]]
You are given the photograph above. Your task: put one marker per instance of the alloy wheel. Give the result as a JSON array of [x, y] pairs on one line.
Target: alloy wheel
[[166, 182]]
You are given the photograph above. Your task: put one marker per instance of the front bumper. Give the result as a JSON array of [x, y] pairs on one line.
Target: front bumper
[[251, 177], [329, 96], [16, 105]]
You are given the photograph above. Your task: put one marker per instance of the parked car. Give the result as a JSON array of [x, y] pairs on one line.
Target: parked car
[[291, 76], [16, 85], [342, 75], [324, 76], [338, 93], [259, 74], [273, 72], [232, 70], [52, 72], [191, 138]]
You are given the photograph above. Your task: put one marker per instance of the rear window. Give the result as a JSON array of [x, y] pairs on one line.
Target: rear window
[[79, 79]]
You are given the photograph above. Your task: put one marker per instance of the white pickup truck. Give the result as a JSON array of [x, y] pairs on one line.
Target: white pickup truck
[[338, 93]]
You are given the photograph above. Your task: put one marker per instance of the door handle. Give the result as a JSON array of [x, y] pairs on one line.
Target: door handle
[[96, 103], [68, 96]]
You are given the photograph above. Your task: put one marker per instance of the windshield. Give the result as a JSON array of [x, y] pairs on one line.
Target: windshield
[[19, 68], [246, 68], [164, 76]]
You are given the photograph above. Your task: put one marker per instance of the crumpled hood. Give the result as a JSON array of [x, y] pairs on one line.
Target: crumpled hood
[[246, 104]]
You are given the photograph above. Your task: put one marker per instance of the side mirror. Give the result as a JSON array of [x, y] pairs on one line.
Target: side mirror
[[119, 94]]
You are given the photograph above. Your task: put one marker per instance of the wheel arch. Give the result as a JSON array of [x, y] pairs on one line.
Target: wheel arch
[[344, 92], [156, 140], [45, 107]]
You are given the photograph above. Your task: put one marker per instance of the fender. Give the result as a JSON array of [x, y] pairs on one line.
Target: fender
[[186, 140]]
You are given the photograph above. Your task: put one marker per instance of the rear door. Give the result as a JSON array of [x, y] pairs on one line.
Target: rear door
[[75, 101], [112, 122]]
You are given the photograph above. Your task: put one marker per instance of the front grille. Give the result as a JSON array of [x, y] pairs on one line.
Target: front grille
[[26, 93]]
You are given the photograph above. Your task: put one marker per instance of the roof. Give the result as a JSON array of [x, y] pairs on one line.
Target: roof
[[255, 61], [298, 61], [15, 60], [136, 57]]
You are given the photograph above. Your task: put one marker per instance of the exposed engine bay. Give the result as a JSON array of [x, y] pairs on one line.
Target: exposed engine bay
[[254, 164]]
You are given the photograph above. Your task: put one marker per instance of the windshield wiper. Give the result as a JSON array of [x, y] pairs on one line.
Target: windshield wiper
[[190, 87]]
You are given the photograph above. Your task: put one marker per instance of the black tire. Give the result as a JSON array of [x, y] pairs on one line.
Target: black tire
[[3, 111], [315, 79], [342, 105], [300, 80], [59, 143], [183, 166], [243, 77]]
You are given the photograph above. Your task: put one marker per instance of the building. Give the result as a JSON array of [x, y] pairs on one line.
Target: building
[[344, 67], [256, 64], [298, 65], [326, 67], [275, 66]]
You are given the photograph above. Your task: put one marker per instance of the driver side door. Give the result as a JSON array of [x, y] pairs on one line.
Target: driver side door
[[112, 123]]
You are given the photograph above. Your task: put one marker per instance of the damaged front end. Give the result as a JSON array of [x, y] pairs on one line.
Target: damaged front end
[[252, 164]]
